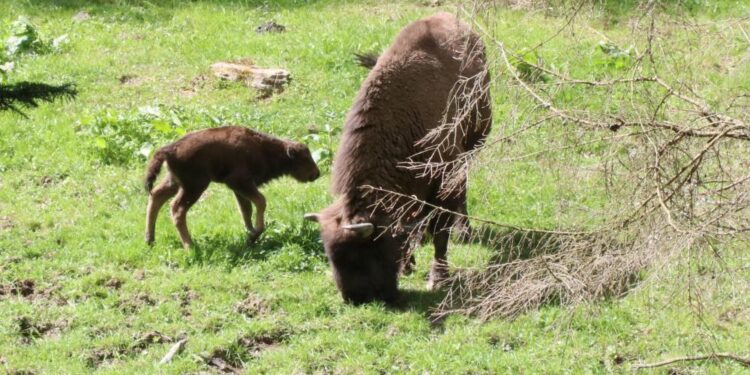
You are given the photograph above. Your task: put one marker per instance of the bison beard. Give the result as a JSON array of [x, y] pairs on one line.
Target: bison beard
[[432, 80]]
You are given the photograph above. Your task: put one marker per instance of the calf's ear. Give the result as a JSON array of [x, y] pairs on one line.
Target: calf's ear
[[312, 217]]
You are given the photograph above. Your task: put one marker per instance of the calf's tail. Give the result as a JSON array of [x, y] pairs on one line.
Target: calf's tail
[[154, 167]]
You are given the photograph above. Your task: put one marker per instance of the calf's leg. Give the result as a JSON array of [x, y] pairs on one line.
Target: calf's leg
[[260, 204], [246, 192], [186, 197], [156, 199], [246, 209]]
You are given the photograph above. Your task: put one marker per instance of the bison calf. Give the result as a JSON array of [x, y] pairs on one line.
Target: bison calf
[[241, 158]]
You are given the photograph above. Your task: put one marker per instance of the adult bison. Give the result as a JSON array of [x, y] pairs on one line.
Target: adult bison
[[426, 99]]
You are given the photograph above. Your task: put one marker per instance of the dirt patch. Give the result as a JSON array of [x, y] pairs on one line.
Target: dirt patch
[[114, 283], [20, 372], [186, 297], [100, 356], [6, 223], [29, 290], [49, 180], [150, 338], [195, 84], [230, 360], [133, 304], [251, 306], [29, 330], [139, 275], [224, 361], [255, 345], [23, 288], [129, 80]]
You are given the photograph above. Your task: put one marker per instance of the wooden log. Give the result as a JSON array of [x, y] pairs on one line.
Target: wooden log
[[265, 80]]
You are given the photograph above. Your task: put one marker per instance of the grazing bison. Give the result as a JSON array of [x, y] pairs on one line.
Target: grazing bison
[[241, 158], [433, 74]]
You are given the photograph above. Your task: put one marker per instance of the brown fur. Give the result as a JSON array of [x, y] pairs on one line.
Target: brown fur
[[241, 158], [404, 97]]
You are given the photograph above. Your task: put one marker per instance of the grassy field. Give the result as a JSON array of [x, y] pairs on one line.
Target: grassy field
[[80, 291]]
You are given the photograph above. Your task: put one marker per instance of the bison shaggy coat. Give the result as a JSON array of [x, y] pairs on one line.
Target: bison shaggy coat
[[241, 158], [418, 105]]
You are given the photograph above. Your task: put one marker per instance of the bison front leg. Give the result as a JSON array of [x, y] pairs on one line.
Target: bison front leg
[[260, 206], [439, 269], [246, 193]]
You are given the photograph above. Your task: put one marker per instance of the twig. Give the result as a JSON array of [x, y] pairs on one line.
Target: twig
[[173, 351], [715, 356]]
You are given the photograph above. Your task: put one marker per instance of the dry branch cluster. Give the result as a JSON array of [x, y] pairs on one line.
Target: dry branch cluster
[[671, 151]]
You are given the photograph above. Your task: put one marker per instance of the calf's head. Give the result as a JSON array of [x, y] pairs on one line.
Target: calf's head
[[303, 167], [365, 262]]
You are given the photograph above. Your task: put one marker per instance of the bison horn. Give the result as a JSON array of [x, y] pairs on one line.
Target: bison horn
[[312, 217], [363, 229]]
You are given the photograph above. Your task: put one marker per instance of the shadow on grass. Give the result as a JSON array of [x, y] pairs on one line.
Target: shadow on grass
[[417, 300], [235, 251], [511, 244]]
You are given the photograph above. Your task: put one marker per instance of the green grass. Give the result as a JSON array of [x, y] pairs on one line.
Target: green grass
[[72, 223]]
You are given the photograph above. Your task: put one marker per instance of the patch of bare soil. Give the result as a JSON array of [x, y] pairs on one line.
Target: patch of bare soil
[[251, 306], [29, 290], [186, 296], [114, 283], [30, 330], [133, 304], [148, 339], [47, 180], [6, 223], [139, 275], [130, 80], [23, 288], [231, 360], [101, 356], [20, 372], [195, 84], [255, 345]]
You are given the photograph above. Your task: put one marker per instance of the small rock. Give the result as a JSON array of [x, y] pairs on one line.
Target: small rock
[[270, 27], [81, 16]]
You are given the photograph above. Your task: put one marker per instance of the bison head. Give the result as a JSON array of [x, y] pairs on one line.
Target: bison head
[[365, 261], [304, 168]]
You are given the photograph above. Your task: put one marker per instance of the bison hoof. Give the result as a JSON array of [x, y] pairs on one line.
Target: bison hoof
[[407, 267], [438, 276]]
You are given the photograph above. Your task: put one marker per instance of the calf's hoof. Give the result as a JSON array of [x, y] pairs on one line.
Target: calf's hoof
[[252, 236]]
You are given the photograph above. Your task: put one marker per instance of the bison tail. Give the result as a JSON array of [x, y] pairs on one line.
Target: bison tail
[[154, 167], [367, 60]]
